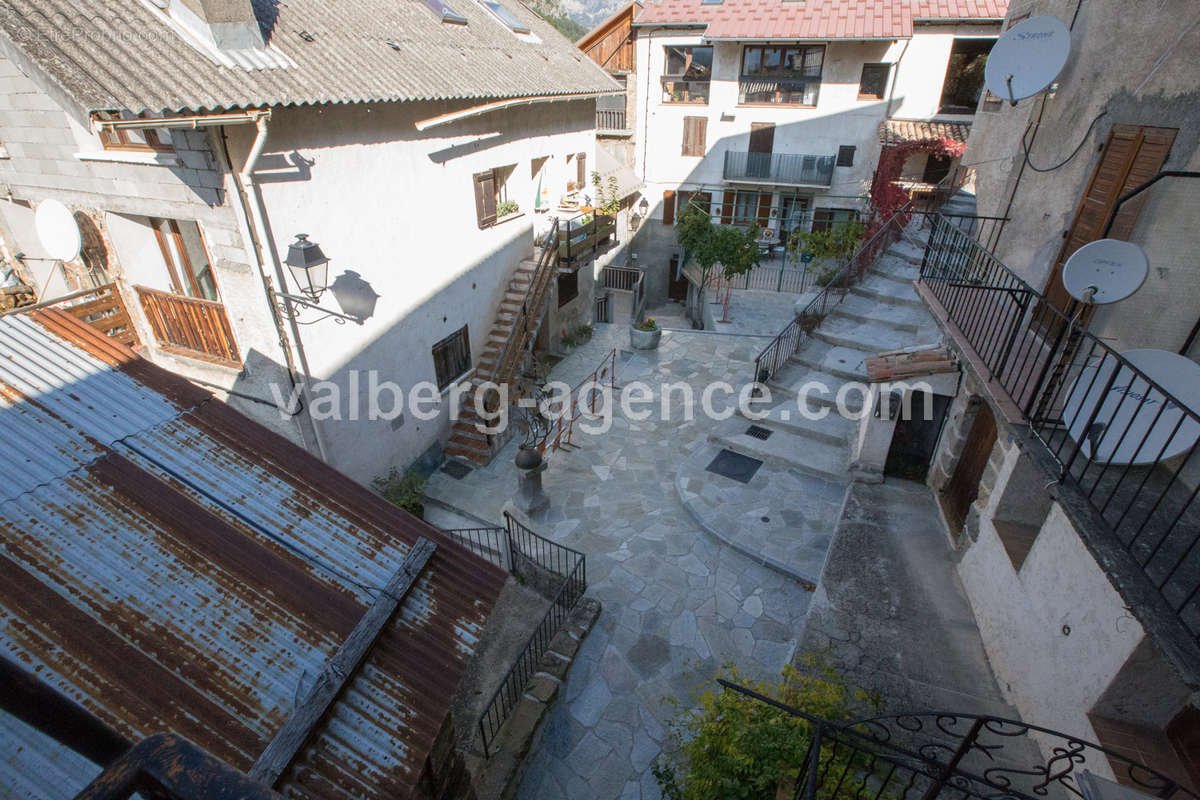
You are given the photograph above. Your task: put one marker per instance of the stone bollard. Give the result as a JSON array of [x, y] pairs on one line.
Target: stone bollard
[[530, 498]]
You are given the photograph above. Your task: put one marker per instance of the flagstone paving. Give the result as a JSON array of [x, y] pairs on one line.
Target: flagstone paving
[[676, 603]]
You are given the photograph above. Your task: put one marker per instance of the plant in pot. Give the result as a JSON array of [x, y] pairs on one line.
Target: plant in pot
[[506, 208], [406, 490], [645, 335]]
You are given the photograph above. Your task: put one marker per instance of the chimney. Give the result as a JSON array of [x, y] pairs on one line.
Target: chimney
[[225, 24]]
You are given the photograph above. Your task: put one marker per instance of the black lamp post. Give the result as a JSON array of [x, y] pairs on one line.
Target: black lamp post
[[309, 266]]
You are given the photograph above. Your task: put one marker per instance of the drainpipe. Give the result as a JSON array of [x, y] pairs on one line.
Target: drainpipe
[[252, 201]]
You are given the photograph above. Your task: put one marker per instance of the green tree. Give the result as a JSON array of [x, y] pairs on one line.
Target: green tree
[[837, 244], [734, 248]]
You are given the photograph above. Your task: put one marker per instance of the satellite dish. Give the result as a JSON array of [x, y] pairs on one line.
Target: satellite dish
[[1140, 430], [57, 231], [1105, 271], [1027, 58]]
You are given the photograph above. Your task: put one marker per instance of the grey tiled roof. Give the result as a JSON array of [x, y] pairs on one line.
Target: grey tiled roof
[[111, 54]]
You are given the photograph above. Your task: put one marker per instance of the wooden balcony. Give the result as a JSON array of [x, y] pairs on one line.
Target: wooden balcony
[[190, 326], [577, 244]]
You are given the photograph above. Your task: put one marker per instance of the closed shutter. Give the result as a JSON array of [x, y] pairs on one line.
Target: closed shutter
[[695, 134], [668, 208], [1132, 156], [764, 210], [727, 208], [581, 165], [485, 198]]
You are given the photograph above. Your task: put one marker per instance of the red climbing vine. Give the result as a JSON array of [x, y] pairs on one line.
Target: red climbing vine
[[887, 196]]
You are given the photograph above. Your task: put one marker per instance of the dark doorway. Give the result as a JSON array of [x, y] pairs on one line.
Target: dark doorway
[[762, 142], [963, 487], [677, 286], [936, 168], [915, 437]]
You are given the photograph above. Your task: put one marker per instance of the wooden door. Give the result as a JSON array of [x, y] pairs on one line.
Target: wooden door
[[762, 141], [963, 487], [677, 286], [1133, 155]]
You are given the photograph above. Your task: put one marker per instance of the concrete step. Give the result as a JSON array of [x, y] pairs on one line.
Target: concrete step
[[790, 451], [886, 290], [471, 457], [907, 250], [820, 390], [864, 309], [845, 363], [788, 416], [897, 269], [872, 337]]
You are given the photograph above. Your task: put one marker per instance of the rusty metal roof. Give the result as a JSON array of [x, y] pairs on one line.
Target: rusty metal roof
[[173, 566], [113, 54]]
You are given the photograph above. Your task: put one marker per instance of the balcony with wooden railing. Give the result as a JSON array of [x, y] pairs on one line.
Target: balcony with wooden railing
[[190, 326], [102, 308], [579, 242]]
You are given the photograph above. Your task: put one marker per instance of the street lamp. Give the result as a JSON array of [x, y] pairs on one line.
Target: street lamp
[[309, 266]]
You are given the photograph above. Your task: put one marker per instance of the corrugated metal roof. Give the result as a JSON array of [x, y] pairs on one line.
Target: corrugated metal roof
[[120, 54], [33, 765], [813, 20], [172, 566]]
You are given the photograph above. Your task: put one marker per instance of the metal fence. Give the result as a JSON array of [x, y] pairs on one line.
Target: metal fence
[[557, 572], [792, 168], [931, 755], [1118, 436]]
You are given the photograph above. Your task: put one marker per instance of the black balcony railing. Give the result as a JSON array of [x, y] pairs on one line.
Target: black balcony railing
[[785, 168], [1118, 437], [610, 119], [950, 756]]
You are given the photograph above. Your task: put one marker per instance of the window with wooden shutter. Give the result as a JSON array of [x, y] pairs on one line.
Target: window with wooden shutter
[[695, 134], [1132, 155], [452, 357], [764, 210], [727, 207], [845, 156], [668, 205], [485, 198], [581, 175]]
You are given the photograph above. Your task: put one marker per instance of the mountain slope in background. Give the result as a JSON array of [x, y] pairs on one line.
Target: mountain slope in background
[[553, 12]]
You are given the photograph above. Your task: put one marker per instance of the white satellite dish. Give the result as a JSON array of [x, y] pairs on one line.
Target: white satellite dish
[[1139, 429], [1027, 58], [57, 231], [1105, 271]]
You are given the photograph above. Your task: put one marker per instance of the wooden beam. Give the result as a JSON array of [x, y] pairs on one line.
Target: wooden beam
[[340, 668]]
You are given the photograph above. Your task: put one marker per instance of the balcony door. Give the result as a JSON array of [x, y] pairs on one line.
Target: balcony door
[[762, 142], [1133, 155], [185, 257]]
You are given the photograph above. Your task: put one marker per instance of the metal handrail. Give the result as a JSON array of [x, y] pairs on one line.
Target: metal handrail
[[535, 297]]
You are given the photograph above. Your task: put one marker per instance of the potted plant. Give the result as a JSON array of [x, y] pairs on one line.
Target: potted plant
[[406, 490], [507, 208], [645, 335]]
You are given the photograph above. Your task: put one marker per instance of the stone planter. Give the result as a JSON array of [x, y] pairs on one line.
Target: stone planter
[[644, 340]]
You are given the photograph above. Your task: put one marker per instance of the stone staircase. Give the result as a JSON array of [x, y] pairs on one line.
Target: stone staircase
[[883, 312], [466, 443]]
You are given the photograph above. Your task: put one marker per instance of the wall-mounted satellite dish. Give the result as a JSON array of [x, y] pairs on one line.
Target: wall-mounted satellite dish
[[57, 231], [1105, 271], [1139, 429], [1027, 58]]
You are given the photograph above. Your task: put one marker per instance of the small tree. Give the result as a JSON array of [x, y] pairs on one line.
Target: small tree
[[838, 243], [734, 248], [607, 199]]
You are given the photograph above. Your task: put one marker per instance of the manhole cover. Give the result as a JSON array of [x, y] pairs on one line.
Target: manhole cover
[[456, 469], [734, 466], [759, 432]]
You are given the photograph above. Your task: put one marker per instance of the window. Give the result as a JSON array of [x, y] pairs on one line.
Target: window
[[507, 17], [185, 257], [783, 75], [689, 70], [845, 157], [699, 200], [826, 219], [142, 140], [568, 287], [695, 130], [963, 85], [872, 85], [750, 207], [491, 192], [452, 357], [445, 12]]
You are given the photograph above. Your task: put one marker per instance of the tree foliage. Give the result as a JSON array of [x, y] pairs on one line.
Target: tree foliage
[[734, 248], [836, 243]]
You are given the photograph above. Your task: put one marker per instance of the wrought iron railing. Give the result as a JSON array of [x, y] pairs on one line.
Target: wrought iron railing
[[583, 398], [931, 755], [789, 168], [1117, 435], [520, 337], [557, 572]]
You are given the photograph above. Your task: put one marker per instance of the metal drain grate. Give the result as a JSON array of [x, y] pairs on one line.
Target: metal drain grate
[[759, 432], [456, 469], [734, 466]]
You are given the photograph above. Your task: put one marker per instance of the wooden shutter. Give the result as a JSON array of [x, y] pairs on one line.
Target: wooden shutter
[[1132, 156], [695, 133], [764, 210], [727, 207], [485, 198], [668, 208], [762, 137], [581, 165]]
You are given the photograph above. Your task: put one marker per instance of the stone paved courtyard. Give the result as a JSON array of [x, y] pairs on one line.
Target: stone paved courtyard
[[676, 603]]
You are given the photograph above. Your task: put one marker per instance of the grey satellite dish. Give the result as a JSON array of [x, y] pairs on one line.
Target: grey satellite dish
[[1027, 58], [57, 231], [1105, 271], [1121, 419]]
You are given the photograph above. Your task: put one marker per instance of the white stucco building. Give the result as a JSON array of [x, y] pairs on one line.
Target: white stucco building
[[419, 146], [775, 113]]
